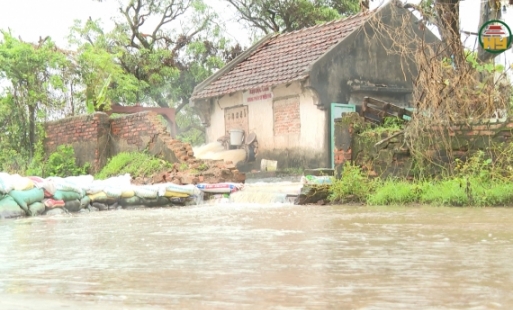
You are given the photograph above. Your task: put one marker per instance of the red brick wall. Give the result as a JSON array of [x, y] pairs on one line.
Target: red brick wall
[[95, 137], [86, 133], [286, 116], [133, 132]]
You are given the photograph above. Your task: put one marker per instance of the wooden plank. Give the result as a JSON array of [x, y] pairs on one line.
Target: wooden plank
[[386, 106]]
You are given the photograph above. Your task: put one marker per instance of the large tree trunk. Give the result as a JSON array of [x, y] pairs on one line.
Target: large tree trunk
[[489, 10], [449, 18]]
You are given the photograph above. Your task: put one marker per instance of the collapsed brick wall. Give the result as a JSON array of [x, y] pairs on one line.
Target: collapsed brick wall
[[88, 134], [393, 158], [95, 138]]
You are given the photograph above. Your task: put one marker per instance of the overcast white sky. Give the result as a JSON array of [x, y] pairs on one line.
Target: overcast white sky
[[33, 18]]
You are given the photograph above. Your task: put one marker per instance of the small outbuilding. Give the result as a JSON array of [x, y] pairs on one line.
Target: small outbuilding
[[288, 88]]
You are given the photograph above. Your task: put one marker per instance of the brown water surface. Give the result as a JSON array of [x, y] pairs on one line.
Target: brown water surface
[[251, 256]]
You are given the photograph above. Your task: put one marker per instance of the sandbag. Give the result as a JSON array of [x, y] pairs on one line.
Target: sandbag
[[66, 195], [135, 200], [157, 202], [100, 197], [37, 208], [66, 185], [46, 185], [9, 208], [52, 203], [312, 179], [174, 194], [81, 181], [95, 188], [113, 192], [119, 182], [146, 191], [185, 189], [55, 211], [20, 183], [127, 193], [100, 206], [72, 205], [220, 188], [115, 206], [5, 183], [27, 197], [85, 202]]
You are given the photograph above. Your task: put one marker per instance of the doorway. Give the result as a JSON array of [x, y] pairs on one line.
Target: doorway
[[337, 110]]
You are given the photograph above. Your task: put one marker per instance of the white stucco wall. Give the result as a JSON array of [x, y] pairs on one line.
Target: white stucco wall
[[260, 119]]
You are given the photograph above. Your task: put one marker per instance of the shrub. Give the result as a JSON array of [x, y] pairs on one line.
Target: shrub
[[134, 163], [352, 186], [61, 163]]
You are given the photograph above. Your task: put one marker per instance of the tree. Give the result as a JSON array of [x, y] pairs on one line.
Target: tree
[[489, 10], [444, 14], [33, 75], [271, 16], [157, 53]]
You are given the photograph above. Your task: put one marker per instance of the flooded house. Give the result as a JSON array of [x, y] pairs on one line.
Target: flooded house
[[286, 90]]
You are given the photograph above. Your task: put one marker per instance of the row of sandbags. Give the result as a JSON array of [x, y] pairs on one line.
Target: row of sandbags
[[34, 195]]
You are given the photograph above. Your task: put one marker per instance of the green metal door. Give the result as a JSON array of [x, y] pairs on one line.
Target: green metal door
[[337, 109]]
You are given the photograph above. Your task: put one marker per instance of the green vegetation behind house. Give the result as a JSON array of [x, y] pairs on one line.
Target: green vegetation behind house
[[477, 182]]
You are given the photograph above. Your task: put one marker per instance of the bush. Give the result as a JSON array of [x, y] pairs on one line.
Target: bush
[[352, 186], [133, 163], [61, 163]]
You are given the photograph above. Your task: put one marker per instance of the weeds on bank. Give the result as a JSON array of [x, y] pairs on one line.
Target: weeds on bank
[[134, 163], [353, 186], [477, 182]]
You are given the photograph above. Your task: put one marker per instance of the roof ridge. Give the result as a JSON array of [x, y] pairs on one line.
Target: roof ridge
[[323, 24]]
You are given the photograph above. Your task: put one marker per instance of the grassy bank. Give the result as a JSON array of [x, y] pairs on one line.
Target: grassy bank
[[481, 186]]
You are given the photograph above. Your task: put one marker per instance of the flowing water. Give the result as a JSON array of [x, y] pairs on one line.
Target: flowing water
[[271, 255]]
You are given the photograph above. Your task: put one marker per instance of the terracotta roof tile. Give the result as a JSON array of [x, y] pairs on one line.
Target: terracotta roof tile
[[282, 58]]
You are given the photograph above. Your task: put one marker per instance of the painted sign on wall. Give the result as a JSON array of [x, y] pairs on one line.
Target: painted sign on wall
[[257, 94]]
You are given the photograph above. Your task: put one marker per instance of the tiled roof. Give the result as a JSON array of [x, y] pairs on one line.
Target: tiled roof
[[282, 58]]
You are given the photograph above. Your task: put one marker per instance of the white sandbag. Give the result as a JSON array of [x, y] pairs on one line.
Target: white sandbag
[[20, 183], [113, 192], [82, 181], [146, 191], [62, 184], [5, 183], [119, 181], [96, 187], [46, 185], [189, 189]]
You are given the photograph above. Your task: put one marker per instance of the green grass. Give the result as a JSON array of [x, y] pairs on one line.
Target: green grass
[[394, 193], [135, 163], [455, 191]]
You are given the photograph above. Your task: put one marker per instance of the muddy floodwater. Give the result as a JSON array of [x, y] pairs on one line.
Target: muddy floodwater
[[260, 256]]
